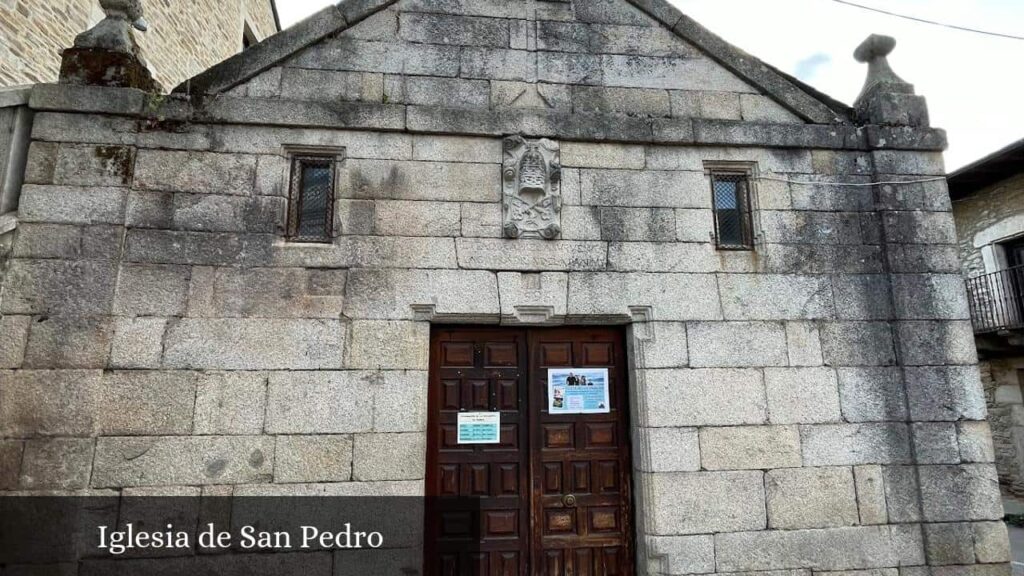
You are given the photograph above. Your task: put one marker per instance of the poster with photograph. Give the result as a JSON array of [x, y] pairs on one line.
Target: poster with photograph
[[578, 391]]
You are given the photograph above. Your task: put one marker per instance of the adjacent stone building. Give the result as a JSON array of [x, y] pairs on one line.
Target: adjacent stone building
[[193, 35], [988, 205], [302, 270]]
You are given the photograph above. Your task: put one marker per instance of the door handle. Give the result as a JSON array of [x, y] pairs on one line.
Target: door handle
[[569, 500]]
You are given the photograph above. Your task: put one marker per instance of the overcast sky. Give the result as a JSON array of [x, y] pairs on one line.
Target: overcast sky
[[973, 82]]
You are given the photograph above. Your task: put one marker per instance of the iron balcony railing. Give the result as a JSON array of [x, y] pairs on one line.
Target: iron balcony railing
[[997, 300]]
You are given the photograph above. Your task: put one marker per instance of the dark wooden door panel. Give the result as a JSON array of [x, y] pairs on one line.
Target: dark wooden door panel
[[478, 513], [553, 497], [581, 495]]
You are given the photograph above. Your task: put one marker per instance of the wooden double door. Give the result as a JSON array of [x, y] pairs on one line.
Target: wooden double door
[[552, 497]]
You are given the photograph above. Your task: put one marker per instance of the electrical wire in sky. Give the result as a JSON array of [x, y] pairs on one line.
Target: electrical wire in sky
[[933, 22]]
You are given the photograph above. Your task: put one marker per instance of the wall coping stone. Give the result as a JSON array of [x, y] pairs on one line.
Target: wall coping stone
[[598, 127]]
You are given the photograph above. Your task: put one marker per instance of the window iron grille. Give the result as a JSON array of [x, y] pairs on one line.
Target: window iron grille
[[311, 200], [734, 228]]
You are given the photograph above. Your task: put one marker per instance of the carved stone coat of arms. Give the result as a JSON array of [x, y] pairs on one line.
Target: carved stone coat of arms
[[532, 186]]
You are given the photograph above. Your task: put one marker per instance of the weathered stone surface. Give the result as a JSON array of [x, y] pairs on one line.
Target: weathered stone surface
[[855, 444], [507, 94], [391, 294], [482, 220], [803, 339], [319, 402], [69, 342], [406, 461], [930, 297], [57, 464], [10, 463], [145, 290], [682, 554], [498, 64], [266, 293], [668, 450], [456, 149], [400, 401], [924, 343], [737, 344], [58, 286], [694, 225], [433, 91], [637, 224], [802, 395], [945, 393], [949, 544], [230, 403], [703, 397], [919, 227], [857, 344], [975, 440], [404, 218], [811, 498], [88, 165], [174, 247], [960, 493], [182, 460], [862, 297], [387, 345], [671, 257], [195, 172], [137, 342], [591, 155], [646, 188], [749, 447], [13, 339], [793, 227], [533, 298], [775, 297], [706, 502], [422, 181], [870, 494], [303, 84], [991, 542], [632, 101], [935, 443], [833, 549], [692, 158], [245, 344], [530, 255], [872, 394], [313, 459], [672, 296], [667, 348], [72, 204]]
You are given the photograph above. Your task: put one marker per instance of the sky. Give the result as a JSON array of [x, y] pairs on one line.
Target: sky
[[973, 82]]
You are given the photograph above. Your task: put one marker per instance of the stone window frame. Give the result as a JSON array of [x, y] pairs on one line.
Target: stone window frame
[[748, 170], [294, 155]]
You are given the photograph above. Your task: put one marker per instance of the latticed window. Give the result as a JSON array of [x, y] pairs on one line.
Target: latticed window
[[734, 225], [311, 199]]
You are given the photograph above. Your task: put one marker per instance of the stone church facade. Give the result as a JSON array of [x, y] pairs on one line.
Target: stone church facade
[[288, 276]]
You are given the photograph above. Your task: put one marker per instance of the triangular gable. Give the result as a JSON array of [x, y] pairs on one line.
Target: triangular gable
[[800, 99], [277, 48]]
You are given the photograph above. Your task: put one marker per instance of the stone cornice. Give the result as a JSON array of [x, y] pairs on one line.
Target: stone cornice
[[436, 120]]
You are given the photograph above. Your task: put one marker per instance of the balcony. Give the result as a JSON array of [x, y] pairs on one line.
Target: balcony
[[997, 301]]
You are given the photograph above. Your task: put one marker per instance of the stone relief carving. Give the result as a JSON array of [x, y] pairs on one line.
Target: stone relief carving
[[532, 185]]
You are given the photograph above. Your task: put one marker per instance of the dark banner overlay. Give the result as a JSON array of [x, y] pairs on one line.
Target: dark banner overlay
[[200, 536]]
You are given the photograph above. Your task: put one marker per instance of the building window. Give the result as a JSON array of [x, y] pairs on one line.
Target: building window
[[734, 223], [311, 199]]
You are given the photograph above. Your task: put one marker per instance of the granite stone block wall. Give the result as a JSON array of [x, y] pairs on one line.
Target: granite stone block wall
[[184, 37], [811, 406]]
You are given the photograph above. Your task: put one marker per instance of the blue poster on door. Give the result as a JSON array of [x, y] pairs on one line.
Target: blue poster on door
[[578, 391], [479, 428]]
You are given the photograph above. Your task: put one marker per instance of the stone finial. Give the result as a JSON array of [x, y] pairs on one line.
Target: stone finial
[[886, 98], [107, 54]]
